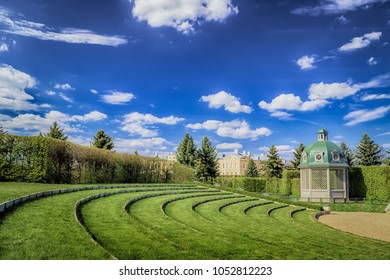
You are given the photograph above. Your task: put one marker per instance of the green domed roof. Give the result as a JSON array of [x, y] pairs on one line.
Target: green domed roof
[[323, 153]]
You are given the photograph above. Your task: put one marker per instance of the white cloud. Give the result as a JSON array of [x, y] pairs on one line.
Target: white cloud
[[375, 97], [51, 92], [226, 100], [13, 85], [366, 115], [290, 101], [331, 7], [306, 62], [138, 124], [4, 47], [118, 98], [66, 98], [94, 91], [64, 86], [234, 129], [130, 145], [372, 61], [183, 15], [35, 123], [360, 42], [332, 91], [41, 31], [229, 146]]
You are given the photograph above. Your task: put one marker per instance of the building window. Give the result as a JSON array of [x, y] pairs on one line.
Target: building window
[[319, 157]]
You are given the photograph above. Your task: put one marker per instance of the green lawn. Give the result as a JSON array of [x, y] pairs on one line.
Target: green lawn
[[168, 222]]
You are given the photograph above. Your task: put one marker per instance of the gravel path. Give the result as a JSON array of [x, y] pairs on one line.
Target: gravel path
[[373, 225]]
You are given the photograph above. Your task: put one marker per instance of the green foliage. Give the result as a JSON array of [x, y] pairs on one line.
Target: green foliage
[[297, 156], [186, 151], [368, 153], [286, 181], [273, 185], [387, 160], [254, 184], [206, 164], [296, 187], [56, 132], [251, 169], [23, 158], [44, 159], [2, 131], [370, 182], [348, 153], [103, 141], [273, 165]]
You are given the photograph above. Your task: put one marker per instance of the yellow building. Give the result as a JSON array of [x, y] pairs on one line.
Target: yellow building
[[235, 165]]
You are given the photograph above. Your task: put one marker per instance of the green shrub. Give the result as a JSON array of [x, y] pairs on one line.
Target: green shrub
[[286, 181], [296, 187], [43, 159], [370, 182], [254, 184], [272, 185]]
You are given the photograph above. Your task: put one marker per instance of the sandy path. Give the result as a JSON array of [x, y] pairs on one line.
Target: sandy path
[[373, 225]]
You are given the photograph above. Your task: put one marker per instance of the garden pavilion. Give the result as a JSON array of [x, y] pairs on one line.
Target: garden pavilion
[[324, 171]]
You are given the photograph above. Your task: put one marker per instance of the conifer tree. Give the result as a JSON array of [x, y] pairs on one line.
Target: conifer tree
[[297, 156], [103, 141], [368, 153], [387, 160], [206, 164], [186, 152], [56, 132], [2, 131], [251, 169], [349, 156], [274, 164]]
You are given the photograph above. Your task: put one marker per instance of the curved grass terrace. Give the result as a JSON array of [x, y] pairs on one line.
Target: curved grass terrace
[[156, 222]]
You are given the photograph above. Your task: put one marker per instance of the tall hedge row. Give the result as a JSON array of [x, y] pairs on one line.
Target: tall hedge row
[[370, 182], [42, 159]]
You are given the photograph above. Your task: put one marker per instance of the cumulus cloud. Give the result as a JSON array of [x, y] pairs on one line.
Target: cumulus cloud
[[332, 91], [153, 144], [360, 42], [142, 124], [118, 98], [17, 26], [306, 62], [229, 146], [332, 7], [13, 86], [34, 123], [366, 115], [183, 15], [319, 95], [234, 129], [370, 97], [4, 47], [226, 100], [290, 101]]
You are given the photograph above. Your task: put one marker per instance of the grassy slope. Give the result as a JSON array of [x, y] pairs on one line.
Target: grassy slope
[[47, 229]]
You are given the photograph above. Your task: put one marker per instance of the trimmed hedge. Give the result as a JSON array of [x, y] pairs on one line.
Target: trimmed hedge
[[370, 182], [286, 184], [48, 160]]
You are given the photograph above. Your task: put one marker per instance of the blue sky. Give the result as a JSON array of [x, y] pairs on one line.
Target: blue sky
[[245, 73]]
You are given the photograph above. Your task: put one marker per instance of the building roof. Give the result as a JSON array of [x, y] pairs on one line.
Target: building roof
[[323, 153]]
